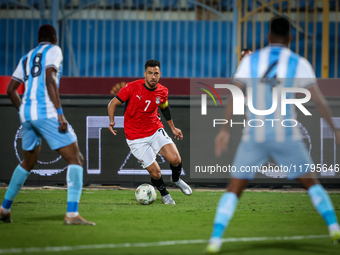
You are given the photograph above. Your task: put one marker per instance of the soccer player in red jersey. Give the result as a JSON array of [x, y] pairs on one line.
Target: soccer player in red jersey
[[145, 133]]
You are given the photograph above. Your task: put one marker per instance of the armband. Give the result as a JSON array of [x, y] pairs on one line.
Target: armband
[[166, 113], [164, 105]]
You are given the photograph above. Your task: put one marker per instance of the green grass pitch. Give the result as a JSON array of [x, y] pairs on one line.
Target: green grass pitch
[[126, 227]]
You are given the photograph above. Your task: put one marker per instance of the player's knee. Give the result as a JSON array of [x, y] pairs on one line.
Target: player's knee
[[28, 165], [176, 160], [76, 159], [156, 175]]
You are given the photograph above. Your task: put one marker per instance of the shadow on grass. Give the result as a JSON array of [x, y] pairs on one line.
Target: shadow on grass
[[117, 203], [290, 247], [57, 217]]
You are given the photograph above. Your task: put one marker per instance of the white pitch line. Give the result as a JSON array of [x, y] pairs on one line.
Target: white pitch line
[[153, 244]]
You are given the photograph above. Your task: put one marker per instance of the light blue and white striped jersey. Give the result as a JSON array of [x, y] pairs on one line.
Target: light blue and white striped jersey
[[278, 66], [36, 103]]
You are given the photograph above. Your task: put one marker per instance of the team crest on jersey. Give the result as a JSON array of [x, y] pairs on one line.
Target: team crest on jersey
[[158, 100]]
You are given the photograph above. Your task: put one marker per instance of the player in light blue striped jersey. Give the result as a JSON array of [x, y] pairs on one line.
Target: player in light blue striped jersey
[[265, 71], [41, 115]]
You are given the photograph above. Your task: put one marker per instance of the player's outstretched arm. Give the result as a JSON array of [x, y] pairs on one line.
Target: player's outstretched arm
[[111, 108], [13, 94], [52, 89], [323, 109]]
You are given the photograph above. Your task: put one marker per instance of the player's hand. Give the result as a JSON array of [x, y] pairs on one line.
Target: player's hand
[[337, 137], [221, 142], [111, 128], [62, 123], [178, 133]]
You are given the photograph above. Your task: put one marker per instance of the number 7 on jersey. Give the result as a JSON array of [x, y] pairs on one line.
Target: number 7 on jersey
[[148, 103]]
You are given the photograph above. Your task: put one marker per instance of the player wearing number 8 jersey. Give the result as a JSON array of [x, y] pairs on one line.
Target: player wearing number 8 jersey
[[41, 115], [144, 132]]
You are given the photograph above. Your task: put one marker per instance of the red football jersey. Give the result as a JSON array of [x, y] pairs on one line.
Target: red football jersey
[[140, 117]]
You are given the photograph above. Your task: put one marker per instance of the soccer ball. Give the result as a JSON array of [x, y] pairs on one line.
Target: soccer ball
[[145, 194]]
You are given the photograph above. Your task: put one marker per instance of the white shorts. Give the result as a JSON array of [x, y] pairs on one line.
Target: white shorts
[[147, 148]]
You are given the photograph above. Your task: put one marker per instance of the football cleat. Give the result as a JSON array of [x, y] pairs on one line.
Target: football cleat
[[6, 218], [185, 188], [77, 221], [214, 246], [167, 200], [335, 236]]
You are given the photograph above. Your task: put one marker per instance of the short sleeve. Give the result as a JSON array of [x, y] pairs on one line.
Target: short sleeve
[[242, 73], [19, 74], [305, 76], [164, 98], [54, 57], [124, 93]]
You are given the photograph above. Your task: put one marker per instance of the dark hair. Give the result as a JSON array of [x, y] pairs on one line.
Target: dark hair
[[47, 33], [245, 49], [280, 26], [152, 63]]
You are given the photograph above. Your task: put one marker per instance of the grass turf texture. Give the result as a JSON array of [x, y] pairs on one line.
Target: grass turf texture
[[38, 217]]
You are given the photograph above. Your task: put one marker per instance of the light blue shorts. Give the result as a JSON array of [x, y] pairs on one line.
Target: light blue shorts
[[33, 131], [289, 156]]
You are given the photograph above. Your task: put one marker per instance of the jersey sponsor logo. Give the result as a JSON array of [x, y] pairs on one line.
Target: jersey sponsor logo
[[158, 100], [139, 97]]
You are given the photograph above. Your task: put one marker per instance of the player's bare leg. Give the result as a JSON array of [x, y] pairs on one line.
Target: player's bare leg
[[157, 180], [30, 158], [18, 179], [154, 171], [74, 181], [237, 186], [225, 211], [322, 204], [72, 154], [170, 152]]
